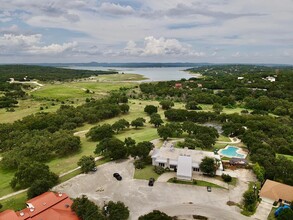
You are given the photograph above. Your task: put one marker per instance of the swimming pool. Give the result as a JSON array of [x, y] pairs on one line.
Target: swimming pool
[[231, 151]]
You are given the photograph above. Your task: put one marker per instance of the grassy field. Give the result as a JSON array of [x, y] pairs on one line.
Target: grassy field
[[289, 157], [15, 203], [272, 214], [120, 77], [146, 173]]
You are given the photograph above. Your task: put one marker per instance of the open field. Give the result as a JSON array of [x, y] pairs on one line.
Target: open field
[[15, 203], [120, 77], [289, 157]]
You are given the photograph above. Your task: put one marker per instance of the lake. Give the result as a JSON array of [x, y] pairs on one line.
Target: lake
[[153, 74]]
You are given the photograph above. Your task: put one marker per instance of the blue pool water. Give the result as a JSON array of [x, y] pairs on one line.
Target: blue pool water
[[230, 151]]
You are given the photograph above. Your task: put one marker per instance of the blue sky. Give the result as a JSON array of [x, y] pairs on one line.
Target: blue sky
[[219, 31]]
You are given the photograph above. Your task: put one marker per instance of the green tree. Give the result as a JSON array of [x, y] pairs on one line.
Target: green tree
[[100, 132], [120, 125], [249, 199], [86, 209], [259, 172], [164, 132], [124, 108], [87, 163], [208, 166], [66, 143], [156, 120], [150, 109], [116, 211], [29, 172], [217, 108], [166, 104], [155, 215], [286, 214], [39, 187], [142, 149], [139, 122], [129, 142], [112, 148]]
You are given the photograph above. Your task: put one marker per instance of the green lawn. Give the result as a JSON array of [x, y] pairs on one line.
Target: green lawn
[[6, 177], [206, 107], [146, 173], [272, 214], [289, 157], [15, 203], [224, 138], [194, 183]]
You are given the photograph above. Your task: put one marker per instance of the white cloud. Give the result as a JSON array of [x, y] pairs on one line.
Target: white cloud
[[116, 9], [160, 46], [31, 44]]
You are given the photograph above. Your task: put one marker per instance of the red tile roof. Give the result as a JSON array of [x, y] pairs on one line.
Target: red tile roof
[[48, 206]]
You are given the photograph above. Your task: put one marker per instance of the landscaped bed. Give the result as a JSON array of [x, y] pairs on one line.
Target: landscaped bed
[[194, 182]]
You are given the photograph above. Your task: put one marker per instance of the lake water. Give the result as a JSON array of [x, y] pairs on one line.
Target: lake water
[[153, 74]]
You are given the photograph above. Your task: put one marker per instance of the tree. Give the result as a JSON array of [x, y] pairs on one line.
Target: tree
[[259, 172], [217, 108], [29, 172], [150, 109], [86, 209], [142, 149], [166, 104], [155, 215], [112, 148], [156, 120], [124, 108], [129, 142], [87, 163], [191, 143], [164, 132], [249, 199], [139, 122], [286, 214], [66, 143], [1, 206], [39, 187], [176, 128], [192, 105], [116, 211], [120, 125], [208, 166], [100, 132]]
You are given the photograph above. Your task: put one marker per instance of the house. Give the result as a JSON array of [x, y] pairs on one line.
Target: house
[[270, 78], [178, 85], [273, 191], [182, 160], [48, 206], [240, 77]]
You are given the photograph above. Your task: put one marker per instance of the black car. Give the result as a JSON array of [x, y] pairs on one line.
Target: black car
[[209, 189], [151, 181], [117, 176], [94, 169]]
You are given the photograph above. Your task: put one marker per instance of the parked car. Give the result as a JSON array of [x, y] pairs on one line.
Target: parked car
[[117, 176], [151, 181], [209, 189], [94, 169]]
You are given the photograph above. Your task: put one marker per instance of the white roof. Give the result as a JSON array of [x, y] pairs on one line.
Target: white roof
[[184, 168]]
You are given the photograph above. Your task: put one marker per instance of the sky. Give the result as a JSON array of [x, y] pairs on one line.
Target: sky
[[215, 31]]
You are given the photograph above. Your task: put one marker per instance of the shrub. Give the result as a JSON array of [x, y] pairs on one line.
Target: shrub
[[159, 170], [227, 178], [139, 164]]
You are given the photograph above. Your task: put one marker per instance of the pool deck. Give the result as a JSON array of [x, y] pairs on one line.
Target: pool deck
[[238, 151]]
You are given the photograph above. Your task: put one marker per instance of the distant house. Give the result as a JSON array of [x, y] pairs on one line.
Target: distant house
[[199, 85], [182, 160], [270, 78], [240, 77], [178, 85], [273, 191], [48, 206]]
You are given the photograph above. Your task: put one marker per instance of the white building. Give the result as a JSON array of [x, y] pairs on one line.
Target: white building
[[183, 161], [270, 78]]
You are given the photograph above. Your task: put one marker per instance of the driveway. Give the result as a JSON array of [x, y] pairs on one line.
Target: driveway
[[174, 199]]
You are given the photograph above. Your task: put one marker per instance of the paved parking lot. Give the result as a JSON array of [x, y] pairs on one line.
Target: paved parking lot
[[174, 199]]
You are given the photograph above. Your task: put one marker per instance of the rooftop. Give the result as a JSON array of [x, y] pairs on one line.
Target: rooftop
[[275, 191], [48, 206]]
